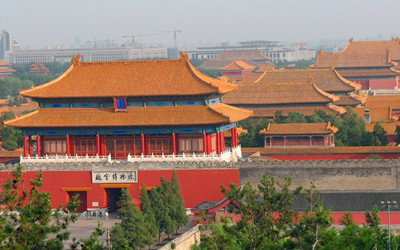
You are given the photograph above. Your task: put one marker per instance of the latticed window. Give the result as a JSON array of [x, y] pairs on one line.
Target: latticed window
[[54, 146]]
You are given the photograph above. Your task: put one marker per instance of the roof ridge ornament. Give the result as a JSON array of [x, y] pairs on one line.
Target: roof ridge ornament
[[184, 56], [351, 40], [332, 67], [76, 60]]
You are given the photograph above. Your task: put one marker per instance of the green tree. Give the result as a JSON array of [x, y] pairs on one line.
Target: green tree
[[259, 228], [148, 214], [27, 220], [179, 210], [253, 138], [11, 138], [278, 117], [381, 134], [214, 73], [161, 212], [133, 231], [295, 117], [397, 140]]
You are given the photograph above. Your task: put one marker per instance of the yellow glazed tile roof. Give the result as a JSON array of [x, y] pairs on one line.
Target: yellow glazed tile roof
[[130, 78]]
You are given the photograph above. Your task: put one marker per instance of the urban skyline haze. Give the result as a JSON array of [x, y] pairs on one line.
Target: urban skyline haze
[[36, 24]]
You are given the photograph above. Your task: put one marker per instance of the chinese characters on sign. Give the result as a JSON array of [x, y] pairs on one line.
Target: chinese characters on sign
[[114, 176]]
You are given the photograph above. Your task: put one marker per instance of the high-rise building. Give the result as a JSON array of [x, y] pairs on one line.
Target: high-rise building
[[5, 43]]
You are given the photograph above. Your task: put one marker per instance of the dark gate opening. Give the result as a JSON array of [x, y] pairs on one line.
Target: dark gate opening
[[82, 198], [113, 195]]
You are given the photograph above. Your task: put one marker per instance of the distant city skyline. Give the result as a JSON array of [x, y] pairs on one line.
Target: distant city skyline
[[36, 24]]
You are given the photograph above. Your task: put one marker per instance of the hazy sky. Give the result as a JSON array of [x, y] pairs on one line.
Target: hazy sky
[[37, 23]]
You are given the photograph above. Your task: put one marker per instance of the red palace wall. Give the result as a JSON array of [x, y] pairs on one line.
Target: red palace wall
[[197, 185], [383, 84]]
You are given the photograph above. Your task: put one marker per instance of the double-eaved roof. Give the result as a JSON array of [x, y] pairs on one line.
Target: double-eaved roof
[[278, 93], [328, 80], [130, 79], [299, 129]]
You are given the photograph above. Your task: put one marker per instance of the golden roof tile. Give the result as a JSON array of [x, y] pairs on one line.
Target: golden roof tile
[[299, 129], [130, 78], [144, 116], [375, 47], [328, 80], [352, 60], [238, 65], [4, 63], [278, 93]]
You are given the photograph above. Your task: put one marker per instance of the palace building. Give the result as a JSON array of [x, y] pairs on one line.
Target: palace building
[[104, 126], [237, 70], [130, 110], [39, 69], [264, 99], [5, 69], [328, 80], [373, 69], [299, 134]]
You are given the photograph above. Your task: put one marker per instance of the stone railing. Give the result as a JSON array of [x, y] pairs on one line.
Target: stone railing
[[229, 155], [65, 158]]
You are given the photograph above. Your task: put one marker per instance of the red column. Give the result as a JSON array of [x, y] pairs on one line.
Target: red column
[[233, 137], [38, 145], [209, 143], [218, 144], [205, 143], [143, 145], [284, 141], [102, 149], [68, 145], [98, 144], [174, 142], [30, 145], [25, 146], [222, 141], [310, 141]]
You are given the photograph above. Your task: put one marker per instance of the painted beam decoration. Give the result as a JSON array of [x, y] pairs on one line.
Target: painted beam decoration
[[114, 176]]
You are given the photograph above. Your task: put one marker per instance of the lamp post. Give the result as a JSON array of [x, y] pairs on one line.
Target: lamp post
[[389, 204]]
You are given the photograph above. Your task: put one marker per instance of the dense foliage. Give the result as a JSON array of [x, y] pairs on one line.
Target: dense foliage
[[162, 212], [269, 222], [10, 138], [352, 131], [27, 220]]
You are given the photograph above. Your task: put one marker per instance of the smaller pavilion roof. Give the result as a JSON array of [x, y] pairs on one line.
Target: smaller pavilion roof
[[328, 80], [375, 47], [278, 93], [352, 60], [4, 63], [299, 129], [380, 107], [38, 67], [238, 65], [143, 116]]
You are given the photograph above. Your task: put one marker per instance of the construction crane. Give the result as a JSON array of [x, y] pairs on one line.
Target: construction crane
[[174, 31], [132, 36]]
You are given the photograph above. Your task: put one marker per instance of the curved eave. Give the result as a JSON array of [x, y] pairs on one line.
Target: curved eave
[[351, 84], [222, 86], [31, 92], [327, 95], [134, 117]]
